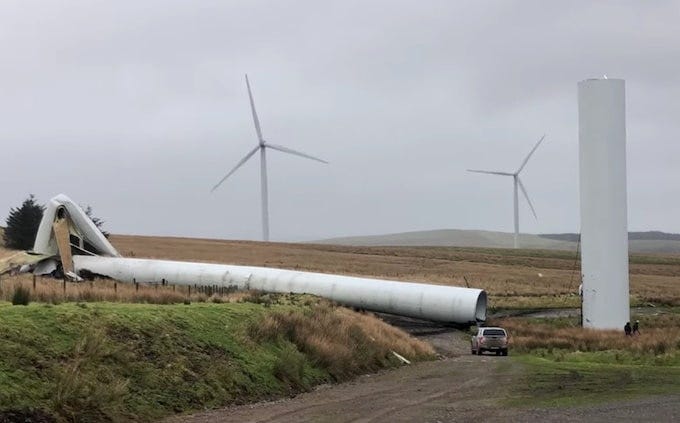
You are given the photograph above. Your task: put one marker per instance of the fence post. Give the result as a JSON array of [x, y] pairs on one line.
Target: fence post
[[190, 290], [115, 286], [34, 283], [136, 284], [64, 288]]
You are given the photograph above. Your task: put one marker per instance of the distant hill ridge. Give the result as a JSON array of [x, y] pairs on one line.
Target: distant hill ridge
[[639, 242], [649, 235]]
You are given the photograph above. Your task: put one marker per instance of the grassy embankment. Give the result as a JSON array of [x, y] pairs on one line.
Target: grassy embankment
[[567, 365], [106, 361]]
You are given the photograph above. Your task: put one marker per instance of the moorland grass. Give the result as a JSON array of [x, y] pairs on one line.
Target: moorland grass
[[564, 340]]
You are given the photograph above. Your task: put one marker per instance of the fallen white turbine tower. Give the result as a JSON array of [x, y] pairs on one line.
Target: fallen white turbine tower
[[67, 234]]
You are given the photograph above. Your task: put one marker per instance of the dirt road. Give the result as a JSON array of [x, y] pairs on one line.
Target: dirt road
[[457, 387], [442, 390]]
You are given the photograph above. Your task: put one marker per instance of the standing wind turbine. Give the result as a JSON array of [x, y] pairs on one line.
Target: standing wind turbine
[[262, 147], [516, 182]]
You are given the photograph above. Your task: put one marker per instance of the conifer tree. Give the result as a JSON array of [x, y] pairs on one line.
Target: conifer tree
[[99, 223], [22, 224]]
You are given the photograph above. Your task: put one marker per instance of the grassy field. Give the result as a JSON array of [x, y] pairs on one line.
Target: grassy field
[[104, 361], [567, 365], [526, 279], [513, 278]]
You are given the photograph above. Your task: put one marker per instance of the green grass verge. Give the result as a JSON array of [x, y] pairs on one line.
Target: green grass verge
[[106, 361], [587, 380], [564, 365]]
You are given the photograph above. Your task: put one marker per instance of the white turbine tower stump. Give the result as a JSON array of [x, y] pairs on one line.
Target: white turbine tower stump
[[262, 146], [604, 204], [516, 182]]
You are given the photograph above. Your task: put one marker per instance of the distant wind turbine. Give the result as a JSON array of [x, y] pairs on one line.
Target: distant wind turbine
[[516, 182], [262, 146]]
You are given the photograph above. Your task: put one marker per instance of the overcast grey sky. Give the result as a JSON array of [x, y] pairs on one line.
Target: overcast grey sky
[[139, 107]]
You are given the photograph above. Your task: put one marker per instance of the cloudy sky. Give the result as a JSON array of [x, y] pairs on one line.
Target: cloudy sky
[[139, 107]]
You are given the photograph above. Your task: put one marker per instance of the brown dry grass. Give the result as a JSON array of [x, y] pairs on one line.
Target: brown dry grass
[[659, 334], [340, 340], [51, 291]]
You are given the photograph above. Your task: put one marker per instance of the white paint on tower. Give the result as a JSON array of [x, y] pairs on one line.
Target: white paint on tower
[[604, 226]]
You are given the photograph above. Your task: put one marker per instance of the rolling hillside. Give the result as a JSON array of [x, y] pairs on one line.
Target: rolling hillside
[[453, 238], [640, 242]]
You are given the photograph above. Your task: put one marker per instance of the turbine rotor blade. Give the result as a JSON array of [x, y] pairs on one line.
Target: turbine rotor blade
[[290, 151], [239, 164], [490, 172], [524, 191], [524, 163], [255, 118]]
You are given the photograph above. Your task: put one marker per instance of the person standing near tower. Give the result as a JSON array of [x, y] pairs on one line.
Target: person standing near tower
[[636, 327]]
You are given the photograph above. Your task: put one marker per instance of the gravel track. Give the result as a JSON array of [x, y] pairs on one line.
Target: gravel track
[[458, 387]]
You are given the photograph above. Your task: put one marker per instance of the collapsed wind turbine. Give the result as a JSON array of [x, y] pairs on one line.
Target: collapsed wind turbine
[[262, 147], [68, 244], [516, 182]]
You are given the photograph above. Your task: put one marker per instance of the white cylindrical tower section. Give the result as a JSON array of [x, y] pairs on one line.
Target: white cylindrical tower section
[[604, 216]]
